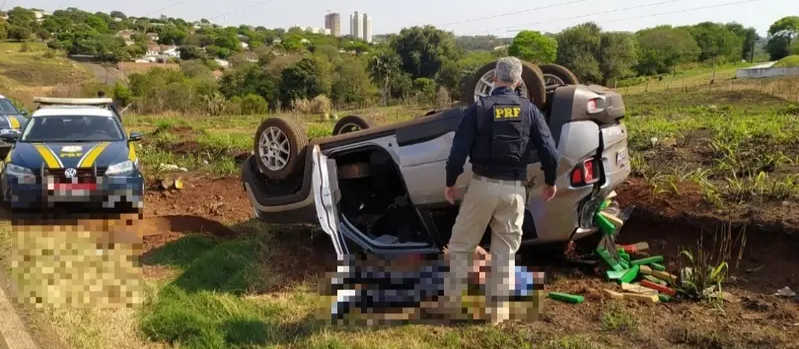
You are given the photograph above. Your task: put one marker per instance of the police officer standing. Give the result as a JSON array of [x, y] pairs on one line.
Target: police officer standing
[[499, 134]]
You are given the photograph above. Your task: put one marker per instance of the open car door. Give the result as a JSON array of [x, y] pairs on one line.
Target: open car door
[[323, 178]]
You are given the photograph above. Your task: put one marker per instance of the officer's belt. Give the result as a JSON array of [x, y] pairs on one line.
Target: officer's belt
[[498, 181]]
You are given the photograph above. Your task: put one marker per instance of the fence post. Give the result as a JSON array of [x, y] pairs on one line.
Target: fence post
[[646, 87]]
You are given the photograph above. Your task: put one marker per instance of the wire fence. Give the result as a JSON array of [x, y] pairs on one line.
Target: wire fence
[[783, 87]]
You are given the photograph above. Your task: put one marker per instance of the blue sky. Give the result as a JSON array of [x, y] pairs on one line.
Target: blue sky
[[464, 17]]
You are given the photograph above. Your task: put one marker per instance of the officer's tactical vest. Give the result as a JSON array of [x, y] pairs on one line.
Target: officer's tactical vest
[[503, 131]]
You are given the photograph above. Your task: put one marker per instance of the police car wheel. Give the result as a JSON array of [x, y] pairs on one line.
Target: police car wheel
[[280, 147], [351, 123], [532, 86], [557, 75]]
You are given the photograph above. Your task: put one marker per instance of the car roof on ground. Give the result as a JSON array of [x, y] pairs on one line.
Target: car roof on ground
[[61, 110]]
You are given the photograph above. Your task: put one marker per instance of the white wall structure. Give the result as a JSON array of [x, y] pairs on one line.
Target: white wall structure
[[356, 25], [757, 73], [367, 28]]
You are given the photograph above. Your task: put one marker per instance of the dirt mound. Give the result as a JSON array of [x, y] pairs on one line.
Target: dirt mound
[[220, 199]]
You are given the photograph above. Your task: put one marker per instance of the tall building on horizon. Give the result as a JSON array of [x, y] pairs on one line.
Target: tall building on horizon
[[367, 28], [356, 25], [333, 23]]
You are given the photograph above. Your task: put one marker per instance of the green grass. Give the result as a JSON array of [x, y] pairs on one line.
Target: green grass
[[790, 61], [737, 145], [684, 79], [209, 305]]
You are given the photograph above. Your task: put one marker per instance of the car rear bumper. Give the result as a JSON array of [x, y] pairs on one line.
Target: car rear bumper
[[117, 192]]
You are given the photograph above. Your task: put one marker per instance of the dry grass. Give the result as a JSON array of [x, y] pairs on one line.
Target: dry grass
[[132, 68]]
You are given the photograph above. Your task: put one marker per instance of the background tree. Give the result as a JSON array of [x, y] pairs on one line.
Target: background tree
[[302, 80], [618, 56], [351, 84], [716, 42], [423, 50], [21, 17], [578, 49], [19, 33], [3, 30], [663, 47], [748, 37], [534, 47], [384, 67], [782, 33]]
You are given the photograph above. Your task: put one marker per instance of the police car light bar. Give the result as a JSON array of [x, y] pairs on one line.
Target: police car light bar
[[72, 101]]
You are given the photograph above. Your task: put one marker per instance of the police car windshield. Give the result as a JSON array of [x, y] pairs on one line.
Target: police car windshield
[[72, 128], [6, 107]]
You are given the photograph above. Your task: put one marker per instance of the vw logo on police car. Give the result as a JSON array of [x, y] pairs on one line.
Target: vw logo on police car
[[70, 173]]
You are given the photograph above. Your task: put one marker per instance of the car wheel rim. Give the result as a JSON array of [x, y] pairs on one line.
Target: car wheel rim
[[485, 86], [349, 127], [552, 81], [274, 148]]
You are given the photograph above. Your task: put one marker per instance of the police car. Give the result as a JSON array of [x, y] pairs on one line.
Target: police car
[[72, 154], [11, 121]]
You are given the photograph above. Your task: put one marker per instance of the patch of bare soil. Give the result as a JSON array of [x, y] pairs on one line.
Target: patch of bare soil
[[220, 199]]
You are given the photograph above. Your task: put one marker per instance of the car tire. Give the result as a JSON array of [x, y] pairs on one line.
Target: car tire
[[554, 73], [274, 161], [532, 77], [351, 123]]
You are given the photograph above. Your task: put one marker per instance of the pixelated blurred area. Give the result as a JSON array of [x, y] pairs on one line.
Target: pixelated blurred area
[[374, 292], [86, 261]]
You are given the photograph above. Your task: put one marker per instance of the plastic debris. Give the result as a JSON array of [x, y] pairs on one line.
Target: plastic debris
[[785, 292], [565, 297], [650, 260]]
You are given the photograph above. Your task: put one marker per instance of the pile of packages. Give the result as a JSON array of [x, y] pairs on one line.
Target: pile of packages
[[639, 276]]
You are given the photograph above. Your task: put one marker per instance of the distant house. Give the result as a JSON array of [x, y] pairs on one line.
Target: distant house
[[152, 36], [129, 42], [41, 14], [305, 41], [244, 45], [170, 51], [222, 63], [126, 34], [277, 41], [153, 50]]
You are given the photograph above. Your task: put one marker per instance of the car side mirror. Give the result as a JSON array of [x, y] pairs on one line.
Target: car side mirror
[[24, 113], [135, 136], [10, 137]]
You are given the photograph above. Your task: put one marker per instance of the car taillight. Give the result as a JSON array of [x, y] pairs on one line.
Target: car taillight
[[593, 106], [585, 173]]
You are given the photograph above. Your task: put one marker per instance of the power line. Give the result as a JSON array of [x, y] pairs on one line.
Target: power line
[[685, 10], [241, 9], [654, 14], [583, 16], [63, 4], [516, 12], [164, 8]]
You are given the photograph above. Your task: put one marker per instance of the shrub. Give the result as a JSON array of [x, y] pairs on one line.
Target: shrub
[[233, 106], [253, 104], [301, 105], [320, 105], [442, 98]]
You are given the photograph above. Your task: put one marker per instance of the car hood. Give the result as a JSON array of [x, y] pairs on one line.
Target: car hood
[[69, 154], [10, 121]]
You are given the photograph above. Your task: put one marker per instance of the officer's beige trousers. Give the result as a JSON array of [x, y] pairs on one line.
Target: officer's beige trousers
[[500, 204]]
